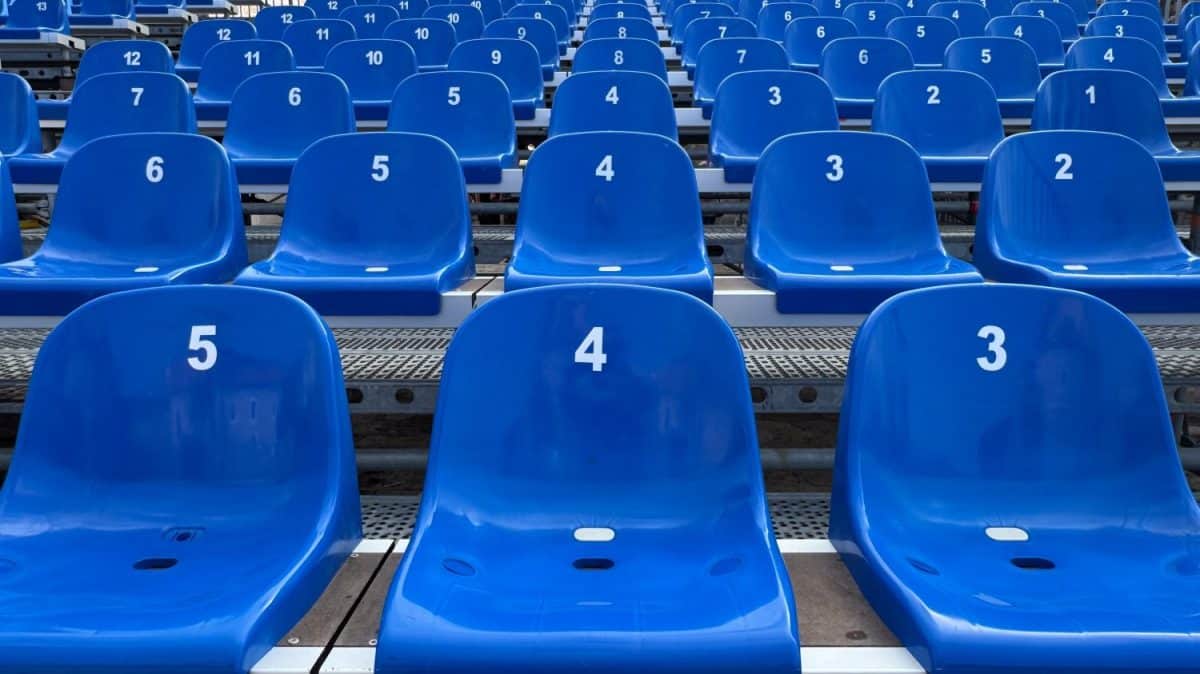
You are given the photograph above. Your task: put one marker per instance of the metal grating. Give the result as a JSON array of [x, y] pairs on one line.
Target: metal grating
[[782, 366], [389, 516], [391, 367]]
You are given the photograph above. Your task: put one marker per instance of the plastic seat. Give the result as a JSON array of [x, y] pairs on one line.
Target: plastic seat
[[1114, 52], [950, 117], [393, 249], [610, 207], [409, 9], [205, 449], [102, 13], [1125, 103], [925, 36], [914, 7], [1189, 11], [569, 6], [1189, 34], [754, 108], [806, 37], [985, 526], [722, 58], [271, 21], [274, 117], [1143, 9], [28, 21], [774, 18], [115, 56], [832, 8], [815, 243], [1007, 63], [686, 13], [620, 10], [200, 37], [675, 362], [431, 40], [105, 105], [1039, 33], [620, 54], [170, 215], [639, 29], [328, 9], [471, 111], [968, 16], [998, 7], [228, 64], [312, 39], [556, 15], [1129, 26], [855, 66], [1191, 87], [871, 18], [369, 21], [490, 9], [371, 69], [467, 20], [700, 31], [10, 225], [515, 62], [613, 100], [537, 32], [1059, 12], [20, 131]]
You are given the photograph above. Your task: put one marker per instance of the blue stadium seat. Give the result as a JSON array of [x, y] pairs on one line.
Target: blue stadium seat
[[274, 116], [806, 37], [371, 69], [722, 58], [1189, 11], [489, 9], [998, 7], [402, 240], [467, 21], [1007, 63], [228, 64], [409, 9], [700, 31], [686, 13], [950, 117], [854, 67], [471, 111], [101, 13], [513, 61], [871, 18], [620, 10], [754, 108], [813, 242], [968, 16], [1059, 12], [105, 105], [224, 416], [10, 225], [1191, 87], [749, 9], [556, 15], [925, 36], [639, 29], [914, 7], [1129, 26], [669, 369], [1190, 37], [537, 32], [171, 214], [1118, 53], [29, 20], [328, 9], [273, 20], [432, 40], [1122, 8], [773, 20], [832, 8], [111, 56], [610, 207], [200, 37], [369, 21], [569, 6], [985, 533], [613, 53], [613, 100], [1039, 33], [20, 132], [311, 40]]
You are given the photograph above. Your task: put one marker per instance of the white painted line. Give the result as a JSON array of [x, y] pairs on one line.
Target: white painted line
[[349, 660], [1007, 534], [856, 660], [288, 660], [807, 546], [373, 546]]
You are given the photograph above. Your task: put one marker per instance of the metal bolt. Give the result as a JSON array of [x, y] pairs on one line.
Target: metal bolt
[[372, 642], [293, 640]]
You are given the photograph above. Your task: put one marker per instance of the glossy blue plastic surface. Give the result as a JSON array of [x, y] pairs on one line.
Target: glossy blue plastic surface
[[950, 117], [114, 103], [773, 20], [409, 9], [20, 132], [371, 69], [10, 225], [701, 31], [925, 36], [470, 111], [639, 222], [369, 21], [686, 13], [832, 7], [806, 37], [26, 20], [914, 7], [613, 100], [640, 29], [824, 249], [1039, 33], [1190, 35], [114, 56], [613, 53], [311, 39], [620, 10], [871, 18], [467, 21], [102, 12], [501, 510], [201, 36], [432, 40], [571, 7], [1007, 63], [392, 249], [272, 21], [1191, 87], [185, 228], [1190, 11], [969, 17], [1121, 8], [1134, 55], [170, 511], [556, 15], [515, 62], [998, 7], [1059, 12], [721, 58], [226, 66], [853, 82], [489, 9], [266, 133], [1107, 231], [1103, 582], [537, 32], [328, 9], [1129, 26]]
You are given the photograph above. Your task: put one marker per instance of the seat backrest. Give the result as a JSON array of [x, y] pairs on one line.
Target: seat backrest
[[10, 225], [409, 9], [200, 37], [925, 36], [369, 21], [20, 131], [686, 13], [722, 58], [490, 9], [1007, 63], [311, 39], [614, 53], [640, 29], [471, 111], [1091, 99], [568, 6], [373, 68], [132, 102], [1059, 12], [121, 9], [871, 18], [754, 108], [601, 196], [228, 64], [1124, 8], [620, 10], [1129, 26], [998, 7], [328, 9], [537, 32], [513, 61], [1190, 34], [116, 56], [854, 66], [1189, 11], [613, 100], [700, 31], [48, 15], [832, 8], [969, 17], [278, 115], [431, 40], [939, 112], [467, 20], [1119, 53], [806, 37], [169, 199], [556, 15], [774, 18], [271, 21], [914, 7], [1039, 33], [1191, 87]]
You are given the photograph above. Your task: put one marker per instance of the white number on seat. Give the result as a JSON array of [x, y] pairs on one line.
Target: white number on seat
[[1064, 170], [286, 17], [954, 15], [294, 96], [1120, 30], [133, 58], [985, 55], [776, 95], [622, 32], [497, 57], [870, 15], [43, 6], [612, 96], [332, 5], [933, 92], [921, 31], [253, 58], [421, 33], [137, 95], [591, 350], [1091, 94], [821, 32], [197, 343], [997, 357], [453, 97], [722, 29], [322, 34], [787, 15], [864, 56], [224, 34], [835, 168], [375, 57], [618, 57], [379, 168], [369, 17], [154, 169], [1019, 32], [741, 55], [1109, 56], [605, 169], [521, 32], [452, 17]]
